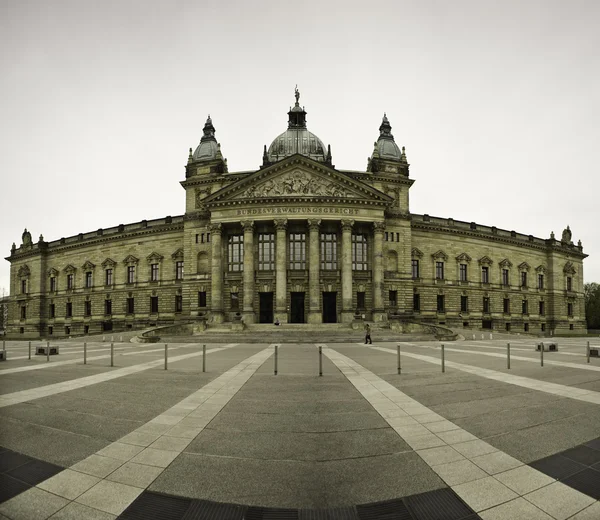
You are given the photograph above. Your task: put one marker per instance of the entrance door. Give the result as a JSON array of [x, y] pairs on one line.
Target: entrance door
[[297, 307], [265, 307], [329, 307]]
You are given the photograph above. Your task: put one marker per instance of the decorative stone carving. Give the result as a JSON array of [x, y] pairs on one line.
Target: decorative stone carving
[[416, 253], [131, 260], [463, 257], [314, 224], [347, 225], [569, 268], [108, 263], [281, 223], [247, 225], [566, 236], [23, 271], [215, 228], [201, 193], [485, 260], [178, 255], [378, 227], [540, 269], [505, 264], [298, 183], [440, 255], [524, 266], [26, 239]]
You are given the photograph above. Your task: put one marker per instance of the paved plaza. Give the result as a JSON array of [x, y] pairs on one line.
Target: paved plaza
[[136, 440]]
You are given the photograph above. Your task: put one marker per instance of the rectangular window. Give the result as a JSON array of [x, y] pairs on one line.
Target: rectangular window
[[23, 286], [130, 305], [50, 330], [109, 277], [52, 284], [88, 280], [393, 298], [386, 236], [266, 251], [525, 305], [569, 283], [523, 278], [153, 304], [69, 313], [154, 272], [505, 279], [507, 326], [87, 308], [439, 270], [526, 327], [440, 303], [416, 302], [359, 253], [130, 273], [201, 298], [485, 274], [360, 300], [540, 281], [415, 269], [569, 309], [235, 301], [486, 305], [69, 281], [543, 327], [52, 310], [208, 237], [542, 309], [197, 237], [235, 250], [464, 304], [328, 251], [179, 270], [297, 251], [506, 307], [178, 303], [23, 312], [463, 272], [107, 307]]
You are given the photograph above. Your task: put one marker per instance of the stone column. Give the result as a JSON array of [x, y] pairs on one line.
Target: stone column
[[248, 307], [378, 308], [314, 262], [281, 270], [347, 312], [216, 297]]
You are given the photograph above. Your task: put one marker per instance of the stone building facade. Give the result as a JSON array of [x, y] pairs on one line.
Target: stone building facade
[[299, 241]]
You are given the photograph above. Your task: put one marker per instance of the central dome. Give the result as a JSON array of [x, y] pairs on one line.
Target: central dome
[[297, 139]]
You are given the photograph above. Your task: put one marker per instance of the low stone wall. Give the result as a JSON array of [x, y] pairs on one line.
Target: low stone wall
[[411, 327]]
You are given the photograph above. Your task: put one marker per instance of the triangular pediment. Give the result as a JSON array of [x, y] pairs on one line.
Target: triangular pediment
[[297, 179]]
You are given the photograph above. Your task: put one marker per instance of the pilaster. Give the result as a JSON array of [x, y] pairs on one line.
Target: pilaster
[[248, 306], [216, 298], [314, 312], [281, 272]]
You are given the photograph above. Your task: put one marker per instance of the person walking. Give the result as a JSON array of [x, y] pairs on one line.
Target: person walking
[[368, 334]]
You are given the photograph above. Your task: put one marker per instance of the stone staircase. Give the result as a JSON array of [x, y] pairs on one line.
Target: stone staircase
[[295, 333]]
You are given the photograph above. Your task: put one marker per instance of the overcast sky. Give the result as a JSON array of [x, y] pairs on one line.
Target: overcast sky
[[497, 104]]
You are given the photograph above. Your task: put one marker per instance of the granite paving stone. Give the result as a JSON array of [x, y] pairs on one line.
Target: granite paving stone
[[134, 474], [524, 479], [558, 500], [110, 497], [32, 504], [69, 484], [484, 493], [75, 511], [517, 508]]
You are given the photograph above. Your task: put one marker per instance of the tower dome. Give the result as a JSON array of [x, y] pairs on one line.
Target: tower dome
[[208, 149], [297, 139]]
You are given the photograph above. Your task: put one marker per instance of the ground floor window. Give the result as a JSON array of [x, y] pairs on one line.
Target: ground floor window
[[416, 302], [393, 298], [201, 298], [440, 303], [360, 301], [153, 304]]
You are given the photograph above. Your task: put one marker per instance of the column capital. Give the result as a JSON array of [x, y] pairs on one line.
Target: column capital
[[378, 227], [216, 228], [247, 225], [347, 224], [314, 224], [281, 224]]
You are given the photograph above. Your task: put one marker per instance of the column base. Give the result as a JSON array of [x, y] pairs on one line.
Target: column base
[[315, 317], [281, 315], [347, 317], [248, 317], [379, 316], [217, 316]]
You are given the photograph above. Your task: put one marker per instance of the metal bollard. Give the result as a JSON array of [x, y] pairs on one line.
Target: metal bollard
[[588, 352], [275, 362], [112, 354], [30, 350], [112, 338], [508, 356], [399, 361], [166, 355], [473, 337], [542, 354], [491, 337], [121, 339], [203, 358], [4, 349], [85, 353], [320, 361], [482, 336], [103, 339], [443, 360], [47, 351]]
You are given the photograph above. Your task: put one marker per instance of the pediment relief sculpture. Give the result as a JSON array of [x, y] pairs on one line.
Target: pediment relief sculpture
[[298, 183], [23, 271]]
